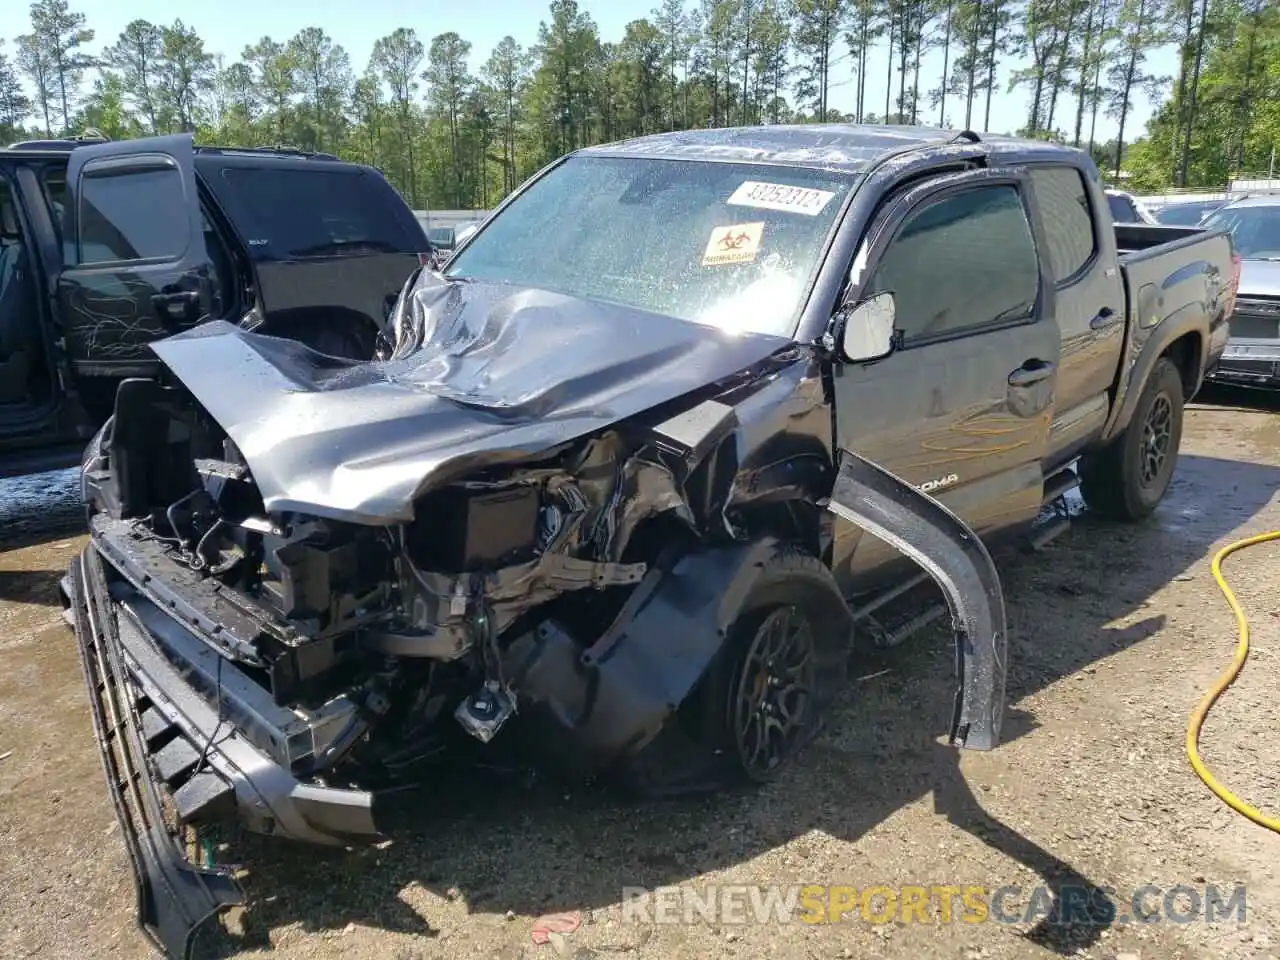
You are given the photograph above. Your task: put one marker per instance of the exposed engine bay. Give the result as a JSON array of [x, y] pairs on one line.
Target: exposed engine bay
[[391, 644]]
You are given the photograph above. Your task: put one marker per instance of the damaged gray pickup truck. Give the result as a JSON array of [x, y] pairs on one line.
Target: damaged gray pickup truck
[[607, 496]]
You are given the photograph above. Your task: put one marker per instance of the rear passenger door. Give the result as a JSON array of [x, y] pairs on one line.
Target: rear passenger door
[[961, 409], [1090, 304], [135, 267]]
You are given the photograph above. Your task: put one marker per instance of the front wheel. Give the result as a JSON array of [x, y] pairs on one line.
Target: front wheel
[[771, 696], [781, 666], [1128, 478]]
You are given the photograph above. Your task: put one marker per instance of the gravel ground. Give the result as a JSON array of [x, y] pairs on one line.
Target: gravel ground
[[1116, 632]]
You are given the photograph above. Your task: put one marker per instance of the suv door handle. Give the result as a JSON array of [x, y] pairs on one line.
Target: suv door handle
[[1104, 318], [181, 307], [1032, 372]]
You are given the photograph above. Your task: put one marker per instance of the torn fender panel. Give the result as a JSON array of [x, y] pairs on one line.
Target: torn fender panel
[[613, 697], [925, 530], [497, 374]]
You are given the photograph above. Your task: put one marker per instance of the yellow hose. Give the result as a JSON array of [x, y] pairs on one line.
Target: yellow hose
[[1220, 685]]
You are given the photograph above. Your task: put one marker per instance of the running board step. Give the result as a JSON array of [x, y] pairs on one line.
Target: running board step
[[1059, 485], [881, 600], [1043, 534], [887, 635]]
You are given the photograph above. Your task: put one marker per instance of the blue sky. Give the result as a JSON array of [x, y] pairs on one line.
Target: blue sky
[[228, 25]]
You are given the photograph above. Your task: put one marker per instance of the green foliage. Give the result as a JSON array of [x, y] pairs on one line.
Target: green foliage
[[448, 137], [1224, 122]]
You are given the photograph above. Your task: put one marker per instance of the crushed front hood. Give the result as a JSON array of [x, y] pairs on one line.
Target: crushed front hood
[[496, 375]]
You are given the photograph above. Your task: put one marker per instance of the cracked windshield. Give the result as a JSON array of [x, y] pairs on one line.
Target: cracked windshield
[[726, 244]]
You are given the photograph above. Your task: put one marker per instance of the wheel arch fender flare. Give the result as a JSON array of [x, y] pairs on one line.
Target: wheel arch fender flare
[[921, 527], [1135, 379]]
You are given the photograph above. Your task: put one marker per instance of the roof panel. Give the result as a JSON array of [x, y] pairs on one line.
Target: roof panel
[[848, 147]]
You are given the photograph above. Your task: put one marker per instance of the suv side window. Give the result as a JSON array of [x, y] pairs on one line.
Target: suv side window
[[1064, 205], [1122, 209], [127, 214], [961, 263]]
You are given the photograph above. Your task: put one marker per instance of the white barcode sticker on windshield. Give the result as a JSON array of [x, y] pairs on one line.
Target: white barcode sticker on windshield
[[779, 196]]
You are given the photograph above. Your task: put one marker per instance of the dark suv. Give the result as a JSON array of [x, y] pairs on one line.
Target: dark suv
[[106, 247]]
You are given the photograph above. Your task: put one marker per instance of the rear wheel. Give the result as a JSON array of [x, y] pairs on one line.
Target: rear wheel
[[1127, 479]]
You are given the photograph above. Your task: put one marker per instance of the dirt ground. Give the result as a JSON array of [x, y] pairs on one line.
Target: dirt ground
[[1116, 632]]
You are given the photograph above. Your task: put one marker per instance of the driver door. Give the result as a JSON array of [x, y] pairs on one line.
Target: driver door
[[135, 266], [962, 407]]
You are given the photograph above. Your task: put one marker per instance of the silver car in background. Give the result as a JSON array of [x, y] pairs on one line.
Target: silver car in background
[[1187, 213], [1252, 357]]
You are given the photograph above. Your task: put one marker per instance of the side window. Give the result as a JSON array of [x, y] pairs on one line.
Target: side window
[[1122, 209], [960, 264], [1064, 206], [131, 214]]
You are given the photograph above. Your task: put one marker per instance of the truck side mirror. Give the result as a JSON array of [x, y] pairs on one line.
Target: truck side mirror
[[868, 329]]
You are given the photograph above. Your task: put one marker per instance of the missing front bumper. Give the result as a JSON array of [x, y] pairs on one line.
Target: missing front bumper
[[172, 763], [174, 896]]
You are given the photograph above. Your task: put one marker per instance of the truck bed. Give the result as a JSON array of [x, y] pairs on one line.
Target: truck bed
[[1134, 238], [1170, 270]]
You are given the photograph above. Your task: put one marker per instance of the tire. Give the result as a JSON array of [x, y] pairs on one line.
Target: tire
[[1127, 479], [765, 697]]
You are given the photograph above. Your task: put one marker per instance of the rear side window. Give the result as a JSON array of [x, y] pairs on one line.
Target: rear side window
[[131, 214], [284, 213], [1122, 209], [1064, 207], [441, 237], [961, 264]]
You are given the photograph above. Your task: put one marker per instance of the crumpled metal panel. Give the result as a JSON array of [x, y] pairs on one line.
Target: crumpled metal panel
[[481, 374]]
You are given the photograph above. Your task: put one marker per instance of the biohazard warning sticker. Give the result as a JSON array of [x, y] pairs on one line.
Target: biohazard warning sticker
[[778, 196], [739, 243]]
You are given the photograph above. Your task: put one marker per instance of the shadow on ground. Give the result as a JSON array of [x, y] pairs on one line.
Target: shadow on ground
[[548, 847], [1240, 398], [31, 586]]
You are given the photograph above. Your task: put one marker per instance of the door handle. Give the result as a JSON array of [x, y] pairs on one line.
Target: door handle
[[1032, 372], [1104, 318], [181, 307]]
